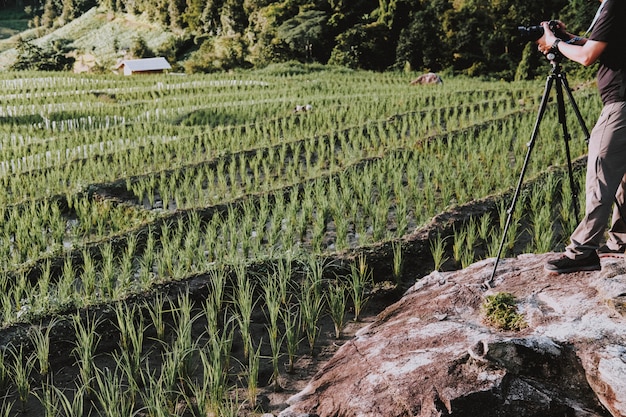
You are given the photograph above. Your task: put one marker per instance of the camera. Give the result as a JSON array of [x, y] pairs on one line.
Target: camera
[[533, 33]]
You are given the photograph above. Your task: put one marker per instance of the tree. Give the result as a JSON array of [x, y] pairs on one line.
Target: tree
[[49, 14], [578, 15], [304, 34], [139, 48], [233, 18], [363, 46], [53, 57], [192, 13], [423, 43]]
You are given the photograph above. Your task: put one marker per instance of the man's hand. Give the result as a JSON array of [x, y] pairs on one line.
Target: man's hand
[[544, 44]]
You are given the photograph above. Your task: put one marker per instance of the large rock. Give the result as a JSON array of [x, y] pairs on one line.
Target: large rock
[[432, 354]]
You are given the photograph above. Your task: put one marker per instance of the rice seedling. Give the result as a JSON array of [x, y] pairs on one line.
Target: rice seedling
[[21, 369], [542, 232], [273, 301], [84, 351], [108, 276], [398, 262], [254, 362], [311, 307], [244, 305], [41, 341], [337, 302], [130, 323], [5, 372], [88, 278], [72, 404], [156, 310], [460, 243], [184, 344], [49, 400], [6, 407], [438, 251], [292, 324], [484, 227], [213, 391], [112, 399], [360, 281]]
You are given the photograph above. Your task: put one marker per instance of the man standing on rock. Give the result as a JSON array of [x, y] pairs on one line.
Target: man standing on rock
[[606, 161]]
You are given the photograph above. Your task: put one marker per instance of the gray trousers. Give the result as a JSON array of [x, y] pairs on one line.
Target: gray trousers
[[605, 184]]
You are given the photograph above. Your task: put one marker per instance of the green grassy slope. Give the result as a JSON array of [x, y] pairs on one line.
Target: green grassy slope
[[95, 33]]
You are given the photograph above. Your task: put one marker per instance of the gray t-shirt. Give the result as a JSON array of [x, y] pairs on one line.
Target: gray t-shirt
[[610, 28]]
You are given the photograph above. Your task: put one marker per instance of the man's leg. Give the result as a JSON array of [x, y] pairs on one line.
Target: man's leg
[[606, 166], [617, 231]]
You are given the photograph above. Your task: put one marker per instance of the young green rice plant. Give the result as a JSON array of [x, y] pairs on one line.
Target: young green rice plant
[[272, 297], [283, 273], [66, 284], [70, 407], [5, 372], [21, 370], [42, 302], [184, 344], [471, 235], [8, 313], [49, 399], [112, 399], [484, 227], [542, 230], [213, 303], [360, 281], [107, 270], [493, 245], [291, 319], [88, 278], [155, 309], [6, 407], [130, 323], [398, 262], [254, 363], [459, 245], [214, 359], [311, 307], [341, 227], [467, 258], [438, 251], [244, 302], [166, 385], [337, 302], [84, 351], [41, 341]]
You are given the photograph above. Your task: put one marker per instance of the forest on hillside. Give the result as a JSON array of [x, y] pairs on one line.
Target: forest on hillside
[[473, 37]]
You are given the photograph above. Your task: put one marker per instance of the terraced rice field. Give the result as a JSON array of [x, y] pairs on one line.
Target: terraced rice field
[[176, 245]]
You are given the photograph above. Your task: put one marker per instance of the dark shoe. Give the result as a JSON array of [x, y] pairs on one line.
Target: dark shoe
[[606, 252], [564, 265]]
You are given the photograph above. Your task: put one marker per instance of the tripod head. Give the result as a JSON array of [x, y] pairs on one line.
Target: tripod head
[[555, 58]]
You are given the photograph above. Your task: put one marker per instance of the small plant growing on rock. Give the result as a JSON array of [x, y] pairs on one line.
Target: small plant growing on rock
[[500, 310]]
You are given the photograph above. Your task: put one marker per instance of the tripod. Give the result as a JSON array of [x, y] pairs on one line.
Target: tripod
[[559, 80]]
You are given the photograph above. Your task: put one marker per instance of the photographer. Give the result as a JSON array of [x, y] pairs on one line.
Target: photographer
[[606, 160]]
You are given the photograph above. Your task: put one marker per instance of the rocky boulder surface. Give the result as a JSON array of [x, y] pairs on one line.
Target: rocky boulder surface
[[433, 353]]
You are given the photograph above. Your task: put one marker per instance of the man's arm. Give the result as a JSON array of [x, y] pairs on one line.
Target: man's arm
[[585, 54]]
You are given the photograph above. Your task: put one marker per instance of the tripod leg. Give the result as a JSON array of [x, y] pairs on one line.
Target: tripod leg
[[566, 139], [581, 121], [530, 145]]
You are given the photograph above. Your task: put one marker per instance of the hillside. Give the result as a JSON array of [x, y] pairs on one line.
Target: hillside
[[96, 33], [471, 38]]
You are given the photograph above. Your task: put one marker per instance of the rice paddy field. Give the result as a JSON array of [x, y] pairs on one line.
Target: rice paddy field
[[180, 245]]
